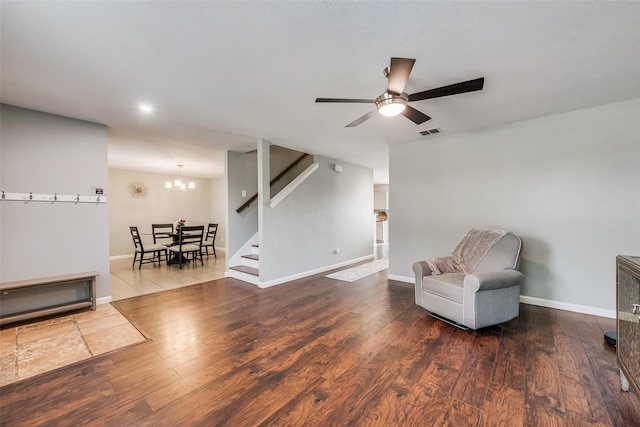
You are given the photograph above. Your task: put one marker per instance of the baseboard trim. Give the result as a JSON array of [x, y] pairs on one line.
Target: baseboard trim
[[401, 278], [576, 308], [312, 272], [115, 257], [103, 300], [297, 276]]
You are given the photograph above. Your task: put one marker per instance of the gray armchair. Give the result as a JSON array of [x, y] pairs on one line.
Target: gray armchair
[[480, 292]]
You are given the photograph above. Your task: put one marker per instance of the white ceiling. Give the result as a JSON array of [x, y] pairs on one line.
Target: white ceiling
[[220, 74]]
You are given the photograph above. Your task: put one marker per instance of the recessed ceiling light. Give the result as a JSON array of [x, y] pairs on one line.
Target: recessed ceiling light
[[145, 108]]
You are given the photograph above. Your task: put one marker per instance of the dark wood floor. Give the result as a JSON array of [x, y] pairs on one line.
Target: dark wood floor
[[320, 352]]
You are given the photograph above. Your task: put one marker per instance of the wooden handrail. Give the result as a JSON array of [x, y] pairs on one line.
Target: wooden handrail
[[273, 181]]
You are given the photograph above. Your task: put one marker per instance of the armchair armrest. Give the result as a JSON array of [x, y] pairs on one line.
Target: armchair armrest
[[421, 269], [493, 280]]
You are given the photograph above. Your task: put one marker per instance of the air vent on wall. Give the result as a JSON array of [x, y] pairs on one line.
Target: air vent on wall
[[430, 131]]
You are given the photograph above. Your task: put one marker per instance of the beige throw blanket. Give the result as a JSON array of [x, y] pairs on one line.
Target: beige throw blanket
[[471, 249]]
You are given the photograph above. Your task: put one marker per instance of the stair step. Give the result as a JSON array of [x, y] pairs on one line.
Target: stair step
[[246, 269], [251, 256]]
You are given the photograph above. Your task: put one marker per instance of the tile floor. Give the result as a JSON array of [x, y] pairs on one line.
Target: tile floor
[[38, 347], [127, 282]]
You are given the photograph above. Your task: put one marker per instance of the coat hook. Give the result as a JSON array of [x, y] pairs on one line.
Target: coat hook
[[3, 194], [55, 198], [77, 199], [98, 200]]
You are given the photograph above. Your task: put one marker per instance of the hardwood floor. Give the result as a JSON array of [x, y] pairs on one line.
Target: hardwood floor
[[321, 352]]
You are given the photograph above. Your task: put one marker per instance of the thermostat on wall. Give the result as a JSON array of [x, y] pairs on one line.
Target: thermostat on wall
[[97, 191]]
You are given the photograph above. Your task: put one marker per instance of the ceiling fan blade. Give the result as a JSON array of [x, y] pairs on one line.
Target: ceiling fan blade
[[399, 71], [360, 120], [361, 101], [454, 89], [414, 115]]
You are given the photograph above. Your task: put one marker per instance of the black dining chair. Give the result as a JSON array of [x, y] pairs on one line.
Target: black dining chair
[[142, 250], [162, 234], [210, 239], [189, 243]]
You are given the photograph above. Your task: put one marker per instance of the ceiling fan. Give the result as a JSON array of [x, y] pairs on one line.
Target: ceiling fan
[[395, 100]]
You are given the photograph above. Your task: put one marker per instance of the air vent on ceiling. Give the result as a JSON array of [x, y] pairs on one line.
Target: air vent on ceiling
[[430, 131]]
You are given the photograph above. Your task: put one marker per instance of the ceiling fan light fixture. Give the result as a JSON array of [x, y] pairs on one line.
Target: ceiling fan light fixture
[[391, 109], [395, 100], [391, 105]]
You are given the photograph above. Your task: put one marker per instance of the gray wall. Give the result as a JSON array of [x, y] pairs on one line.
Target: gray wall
[[281, 158], [327, 211], [160, 206], [46, 154], [241, 175], [568, 184]]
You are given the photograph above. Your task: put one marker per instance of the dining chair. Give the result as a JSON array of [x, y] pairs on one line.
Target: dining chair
[[212, 229], [142, 250], [162, 232], [189, 243]]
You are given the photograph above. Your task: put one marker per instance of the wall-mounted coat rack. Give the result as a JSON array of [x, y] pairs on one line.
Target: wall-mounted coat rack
[[51, 198]]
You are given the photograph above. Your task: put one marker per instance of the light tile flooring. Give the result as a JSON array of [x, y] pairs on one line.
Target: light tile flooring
[[38, 347], [127, 282]]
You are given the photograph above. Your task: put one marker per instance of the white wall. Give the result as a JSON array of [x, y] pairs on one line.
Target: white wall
[[160, 206], [47, 154], [568, 184]]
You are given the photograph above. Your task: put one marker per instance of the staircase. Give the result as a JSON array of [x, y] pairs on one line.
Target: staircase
[[248, 270]]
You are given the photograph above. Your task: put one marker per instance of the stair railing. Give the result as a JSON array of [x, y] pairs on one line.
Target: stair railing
[[273, 181]]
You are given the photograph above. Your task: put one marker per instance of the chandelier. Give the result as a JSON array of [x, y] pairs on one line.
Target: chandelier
[[179, 185]]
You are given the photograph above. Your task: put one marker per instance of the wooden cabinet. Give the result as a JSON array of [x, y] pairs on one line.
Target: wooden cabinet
[[628, 320]]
